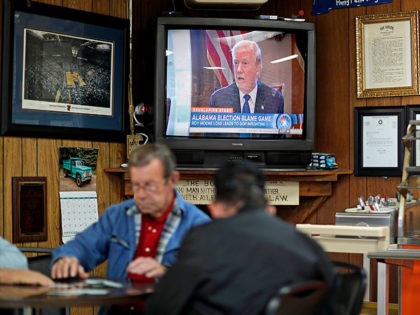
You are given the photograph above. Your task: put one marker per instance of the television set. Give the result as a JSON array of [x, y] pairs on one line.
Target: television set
[[194, 60]]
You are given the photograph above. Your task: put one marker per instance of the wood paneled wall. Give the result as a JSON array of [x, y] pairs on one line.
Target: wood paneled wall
[[39, 157], [336, 100]]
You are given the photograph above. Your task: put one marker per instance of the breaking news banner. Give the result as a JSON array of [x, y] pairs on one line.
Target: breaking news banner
[[223, 120]]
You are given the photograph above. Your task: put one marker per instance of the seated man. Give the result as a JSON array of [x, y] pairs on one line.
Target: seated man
[[234, 264], [139, 237], [14, 265]]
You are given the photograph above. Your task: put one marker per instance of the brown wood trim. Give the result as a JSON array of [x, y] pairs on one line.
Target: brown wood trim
[[312, 183], [318, 174]]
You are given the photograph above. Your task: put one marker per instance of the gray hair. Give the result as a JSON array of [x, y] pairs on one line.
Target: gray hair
[[143, 155], [248, 43]]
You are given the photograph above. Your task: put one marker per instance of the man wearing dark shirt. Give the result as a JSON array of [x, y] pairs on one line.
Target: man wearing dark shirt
[[234, 264]]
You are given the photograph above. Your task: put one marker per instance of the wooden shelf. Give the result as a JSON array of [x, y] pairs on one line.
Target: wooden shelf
[[311, 175], [312, 183]]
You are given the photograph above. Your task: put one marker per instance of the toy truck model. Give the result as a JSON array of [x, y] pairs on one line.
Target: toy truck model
[[75, 168]]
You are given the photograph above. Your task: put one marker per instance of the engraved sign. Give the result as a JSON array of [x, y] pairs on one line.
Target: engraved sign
[[282, 192], [197, 191], [201, 192]]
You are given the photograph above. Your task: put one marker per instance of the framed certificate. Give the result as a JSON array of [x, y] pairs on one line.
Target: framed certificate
[[387, 54], [377, 141]]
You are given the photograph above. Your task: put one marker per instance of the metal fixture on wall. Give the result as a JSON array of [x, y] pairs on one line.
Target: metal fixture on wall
[[133, 139]]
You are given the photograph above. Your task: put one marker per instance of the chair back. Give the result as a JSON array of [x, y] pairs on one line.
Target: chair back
[[346, 296], [305, 298], [40, 263]]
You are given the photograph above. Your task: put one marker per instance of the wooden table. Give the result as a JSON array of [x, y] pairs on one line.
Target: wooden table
[[36, 297]]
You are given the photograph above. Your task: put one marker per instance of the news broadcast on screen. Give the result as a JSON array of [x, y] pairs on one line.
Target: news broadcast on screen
[[231, 83]]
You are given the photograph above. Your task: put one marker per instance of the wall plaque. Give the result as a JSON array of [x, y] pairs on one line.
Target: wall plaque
[[29, 209], [201, 192]]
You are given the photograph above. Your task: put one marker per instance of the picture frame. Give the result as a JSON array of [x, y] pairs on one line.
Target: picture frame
[[29, 209], [64, 73], [378, 148], [382, 71], [413, 113]]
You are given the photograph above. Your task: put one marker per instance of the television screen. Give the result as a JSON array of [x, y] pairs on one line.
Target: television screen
[[224, 81]]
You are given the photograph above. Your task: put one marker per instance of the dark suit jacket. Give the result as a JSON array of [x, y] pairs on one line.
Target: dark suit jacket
[[268, 100], [234, 265]]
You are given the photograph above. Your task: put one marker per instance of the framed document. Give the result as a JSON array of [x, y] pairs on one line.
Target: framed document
[[387, 54], [377, 141]]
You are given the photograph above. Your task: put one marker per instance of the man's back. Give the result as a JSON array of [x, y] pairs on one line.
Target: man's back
[[234, 265]]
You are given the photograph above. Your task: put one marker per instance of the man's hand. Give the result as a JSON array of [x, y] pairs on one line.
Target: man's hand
[[68, 267], [23, 276], [146, 266]]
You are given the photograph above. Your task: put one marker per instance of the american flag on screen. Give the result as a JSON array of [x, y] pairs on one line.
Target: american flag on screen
[[219, 44], [296, 51]]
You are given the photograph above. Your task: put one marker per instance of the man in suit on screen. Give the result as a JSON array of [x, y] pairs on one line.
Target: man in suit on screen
[[248, 94]]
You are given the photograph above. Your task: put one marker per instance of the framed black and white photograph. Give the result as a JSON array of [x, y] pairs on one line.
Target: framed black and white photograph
[[378, 149], [387, 54], [64, 74]]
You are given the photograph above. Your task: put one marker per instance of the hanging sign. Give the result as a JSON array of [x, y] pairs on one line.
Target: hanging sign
[[323, 6]]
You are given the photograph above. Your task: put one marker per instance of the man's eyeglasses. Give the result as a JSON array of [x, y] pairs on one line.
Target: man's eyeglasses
[[150, 187]]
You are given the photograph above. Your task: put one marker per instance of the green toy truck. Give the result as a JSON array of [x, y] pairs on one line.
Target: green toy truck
[[75, 168]]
